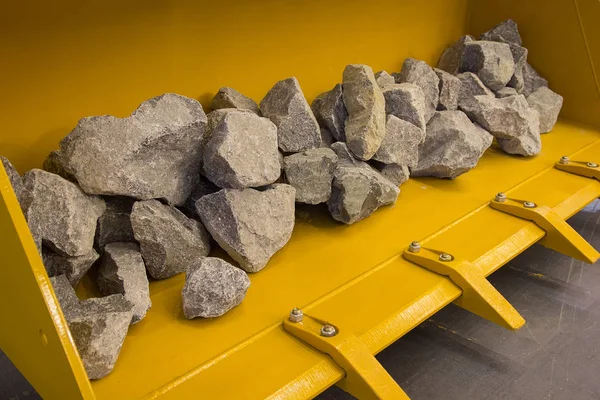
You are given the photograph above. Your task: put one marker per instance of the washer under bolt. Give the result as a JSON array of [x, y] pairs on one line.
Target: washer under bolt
[[500, 197], [414, 247], [328, 331], [529, 204], [564, 160], [296, 315], [446, 257], [592, 165]]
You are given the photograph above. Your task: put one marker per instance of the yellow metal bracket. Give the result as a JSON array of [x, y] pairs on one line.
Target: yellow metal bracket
[[479, 296], [365, 377], [560, 236], [584, 168]]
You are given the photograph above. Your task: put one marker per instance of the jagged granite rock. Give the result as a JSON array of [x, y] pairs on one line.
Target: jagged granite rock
[[421, 74], [203, 188], [114, 225], [297, 127], [506, 32], [169, 241], [515, 125], [506, 92], [250, 225], [532, 81], [365, 125], [311, 173], [154, 153], [60, 214], [452, 147], [358, 189], [491, 61], [451, 58], [517, 81], [74, 268], [122, 271], [216, 116], [228, 97], [330, 112], [384, 79], [212, 287], [14, 178], [53, 163], [395, 173], [407, 102], [449, 90], [548, 105], [471, 86], [401, 143], [65, 294], [242, 152]]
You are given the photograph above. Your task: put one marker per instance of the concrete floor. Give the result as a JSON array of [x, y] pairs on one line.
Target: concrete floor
[[456, 355]]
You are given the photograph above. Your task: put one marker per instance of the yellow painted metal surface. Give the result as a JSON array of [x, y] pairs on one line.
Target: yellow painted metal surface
[[589, 169]]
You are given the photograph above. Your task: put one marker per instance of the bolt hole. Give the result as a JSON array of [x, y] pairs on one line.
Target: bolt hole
[[44, 338]]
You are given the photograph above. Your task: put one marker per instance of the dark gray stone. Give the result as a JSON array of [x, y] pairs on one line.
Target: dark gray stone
[[14, 178], [451, 58], [548, 105], [517, 81], [421, 74], [228, 97], [471, 86], [407, 102], [449, 90], [395, 173], [311, 173], [532, 81], [53, 163], [203, 188], [115, 224], [491, 61], [506, 32], [73, 268], [330, 111], [401, 143]]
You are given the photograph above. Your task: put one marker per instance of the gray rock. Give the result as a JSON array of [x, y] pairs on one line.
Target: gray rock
[[228, 97], [285, 105], [358, 189], [327, 138], [548, 104], [216, 116], [406, 101], [449, 90], [532, 81], [491, 61], [517, 81], [169, 241], [506, 92], [59, 213], [250, 225], [242, 152], [330, 112], [53, 163], [311, 173], [510, 120], [154, 153], [395, 173], [451, 58], [73, 268], [115, 224], [401, 143], [15, 179], [213, 287], [203, 188], [471, 86], [421, 74], [122, 271], [65, 294], [384, 79], [452, 147], [506, 32], [365, 125]]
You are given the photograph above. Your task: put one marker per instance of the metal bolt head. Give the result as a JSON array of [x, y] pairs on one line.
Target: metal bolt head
[[328, 331], [296, 315], [445, 257], [414, 247], [500, 197], [592, 165], [529, 204], [564, 160]]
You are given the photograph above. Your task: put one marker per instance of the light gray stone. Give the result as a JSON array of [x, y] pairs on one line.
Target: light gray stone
[[74, 268], [53, 163], [122, 271], [60, 214], [406, 101], [471, 86], [242, 152], [330, 111], [517, 81], [384, 79], [365, 125], [451, 57], [311, 173], [452, 147], [358, 189], [212, 287], [491, 61], [250, 225], [548, 105], [154, 153], [401, 143], [506, 32], [395, 173], [169, 241], [203, 188], [421, 74], [506, 92], [228, 97], [297, 127], [532, 81], [14, 178], [114, 225], [449, 90]]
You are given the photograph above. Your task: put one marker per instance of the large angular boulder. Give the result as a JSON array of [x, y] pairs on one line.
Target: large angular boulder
[[242, 152], [401, 143], [14, 178], [169, 241], [491, 61], [365, 125], [133, 156], [449, 90], [421, 74], [297, 127], [548, 104], [471, 86], [53, 163], [407, 102], [114, 225], [228, 97], [517, 81], [384, 79], [453, 146], [311, 173], [122, 271], [60, 214], [73, 268], [451, 58], [330, 111], [250, 225], [212, 287], [506, 32], [358, 189], [532, 81]]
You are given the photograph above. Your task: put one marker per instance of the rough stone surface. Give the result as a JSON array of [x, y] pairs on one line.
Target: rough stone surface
[[421, 74], [122, 271], [449, 90], [506, 32], [154, 153], [169, 241], [548, 104], [60, 214], [53, 163], [64, 292], [228, 97], [517, 81], [330, 111], [406, 101], [491, 61], [395, 173], [242, 152], [213, 287], [401, 143], [358, 189], [297, 127], [327, 138], [384, 79], [203, 188], [452, 147], [510, 120], [365, 125], [250, 225], [115, 224], [15, 179], [450, 59], [311, 173], [506, 92], [74, 268], [532, 81], [471, 86]]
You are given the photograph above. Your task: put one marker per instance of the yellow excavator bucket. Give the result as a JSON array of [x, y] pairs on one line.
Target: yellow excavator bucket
[[358, 288]]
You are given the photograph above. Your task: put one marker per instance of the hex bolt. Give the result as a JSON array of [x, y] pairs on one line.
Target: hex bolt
[[592, 165], [529, 204], [500, 197], [328, 331], [414, 247], [296, 315], [445, 257], [564, 160]]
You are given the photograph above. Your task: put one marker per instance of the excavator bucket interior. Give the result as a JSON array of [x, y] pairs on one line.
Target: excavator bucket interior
[[358, 288]]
